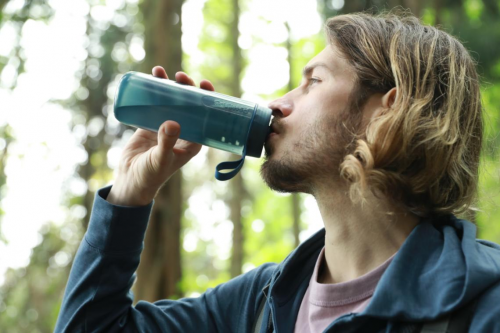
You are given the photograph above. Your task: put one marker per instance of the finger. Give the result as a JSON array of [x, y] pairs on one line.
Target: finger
[[186, 153], [149, 135], [159, 71], [183, 78], [183, 147], [167, 137], [207, 85]]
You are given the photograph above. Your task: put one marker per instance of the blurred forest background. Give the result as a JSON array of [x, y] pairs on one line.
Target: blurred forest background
[[60, 63]]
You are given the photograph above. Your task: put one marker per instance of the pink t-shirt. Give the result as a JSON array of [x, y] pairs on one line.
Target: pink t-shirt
[[323, 303]]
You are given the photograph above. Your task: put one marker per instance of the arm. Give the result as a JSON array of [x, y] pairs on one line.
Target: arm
[[97, 293], [98, 296]]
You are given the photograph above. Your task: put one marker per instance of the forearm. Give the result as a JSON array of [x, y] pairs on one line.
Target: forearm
[[97, 294]]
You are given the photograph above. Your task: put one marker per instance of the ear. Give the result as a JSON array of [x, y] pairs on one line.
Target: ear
[[389, 98], [377, 105]]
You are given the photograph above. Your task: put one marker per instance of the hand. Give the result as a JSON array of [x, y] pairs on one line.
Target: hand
[[149, 159]]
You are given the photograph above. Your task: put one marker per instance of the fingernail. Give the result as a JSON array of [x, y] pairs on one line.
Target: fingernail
[[170, 132]]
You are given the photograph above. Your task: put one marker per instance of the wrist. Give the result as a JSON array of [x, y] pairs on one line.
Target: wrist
[[123, 195]]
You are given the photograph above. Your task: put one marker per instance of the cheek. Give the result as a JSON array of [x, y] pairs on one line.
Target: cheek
[[331, 98], [338, 100], [318, 115], [309, 128]]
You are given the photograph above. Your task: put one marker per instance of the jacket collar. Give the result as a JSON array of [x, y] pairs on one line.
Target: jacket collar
[[439, 267], [290, 281], [297, 267]]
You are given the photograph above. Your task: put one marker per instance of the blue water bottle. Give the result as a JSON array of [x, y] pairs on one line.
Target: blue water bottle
[[206, 117]]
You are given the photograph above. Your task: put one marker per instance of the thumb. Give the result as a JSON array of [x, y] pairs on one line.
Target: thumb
[[167, 137]]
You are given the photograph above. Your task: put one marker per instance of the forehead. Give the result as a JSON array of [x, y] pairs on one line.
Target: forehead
[[333, 59]]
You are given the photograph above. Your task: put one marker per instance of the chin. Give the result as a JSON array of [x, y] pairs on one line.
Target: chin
[[284, 174]]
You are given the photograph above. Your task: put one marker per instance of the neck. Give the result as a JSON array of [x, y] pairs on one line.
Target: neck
[[358, 237]]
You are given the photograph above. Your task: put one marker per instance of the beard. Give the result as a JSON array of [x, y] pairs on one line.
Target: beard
[[316, 155]]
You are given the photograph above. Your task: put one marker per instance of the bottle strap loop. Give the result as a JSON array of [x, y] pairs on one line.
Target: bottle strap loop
[[235, 165]]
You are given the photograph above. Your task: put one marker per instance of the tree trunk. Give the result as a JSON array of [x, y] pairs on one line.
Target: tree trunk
[[438, 6], [414, 5], [2, 4], [93, 106], [353, 6], [237, 187], [393, 3], [159, 271], [491, 7], [238, 193]]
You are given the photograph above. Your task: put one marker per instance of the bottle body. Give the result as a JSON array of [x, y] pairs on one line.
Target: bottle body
[[209, 118]]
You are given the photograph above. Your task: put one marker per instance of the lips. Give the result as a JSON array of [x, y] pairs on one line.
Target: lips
[[274, 129]]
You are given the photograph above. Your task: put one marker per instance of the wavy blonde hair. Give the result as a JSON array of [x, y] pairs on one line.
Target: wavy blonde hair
[[424, 151]]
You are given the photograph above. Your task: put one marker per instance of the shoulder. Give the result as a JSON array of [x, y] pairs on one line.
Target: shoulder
[[253, 281], [487, 315], [236, 301], [489, 246]]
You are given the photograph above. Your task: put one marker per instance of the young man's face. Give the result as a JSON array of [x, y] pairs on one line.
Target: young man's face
[[313, 124]]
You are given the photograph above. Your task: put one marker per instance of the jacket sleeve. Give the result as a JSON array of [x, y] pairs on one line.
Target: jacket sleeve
[[98, 297]]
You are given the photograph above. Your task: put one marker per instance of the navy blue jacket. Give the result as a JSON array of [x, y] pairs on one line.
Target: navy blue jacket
[[439, 268]]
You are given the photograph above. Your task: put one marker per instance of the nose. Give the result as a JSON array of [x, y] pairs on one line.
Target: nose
[[283, 105]]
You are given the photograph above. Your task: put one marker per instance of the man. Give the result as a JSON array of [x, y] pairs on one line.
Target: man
[[385, 131]]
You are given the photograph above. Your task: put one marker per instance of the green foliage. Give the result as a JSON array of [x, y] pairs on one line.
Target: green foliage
[[491, 102], [489, 201], [474, 9], [276, 240], [489, 184], [215, 43], [30, 297]]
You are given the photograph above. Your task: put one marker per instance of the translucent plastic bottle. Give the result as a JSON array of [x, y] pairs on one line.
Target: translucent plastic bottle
[[206, 117]]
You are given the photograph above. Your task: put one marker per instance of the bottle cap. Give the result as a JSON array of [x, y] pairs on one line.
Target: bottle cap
[[259, 130]]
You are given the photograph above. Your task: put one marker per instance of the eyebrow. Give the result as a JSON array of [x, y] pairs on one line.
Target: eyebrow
[[308, 69]]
